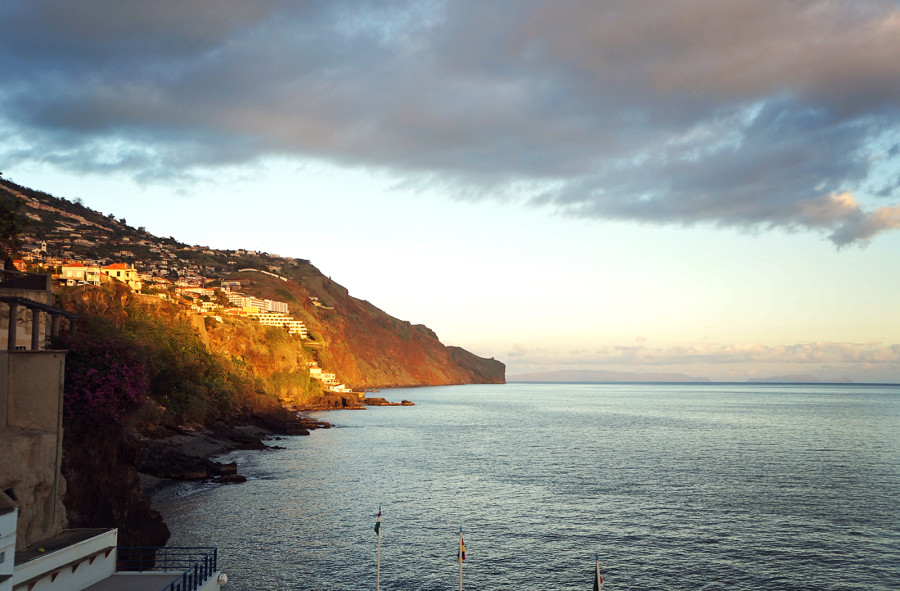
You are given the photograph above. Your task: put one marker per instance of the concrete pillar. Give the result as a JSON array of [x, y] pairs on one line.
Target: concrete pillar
[[13, 325], [54, 325], [35, 329], [72, 323]]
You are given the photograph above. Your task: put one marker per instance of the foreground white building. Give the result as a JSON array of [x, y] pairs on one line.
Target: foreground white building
[[90, 560]]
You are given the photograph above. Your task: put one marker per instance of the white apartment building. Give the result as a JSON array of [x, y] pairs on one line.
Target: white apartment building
[[273, 306], [282, 320]]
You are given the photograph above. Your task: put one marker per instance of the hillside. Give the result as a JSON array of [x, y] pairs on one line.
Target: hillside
[[363, 345]]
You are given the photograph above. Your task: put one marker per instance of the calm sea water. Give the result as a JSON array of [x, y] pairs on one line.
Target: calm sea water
[[739, 487]]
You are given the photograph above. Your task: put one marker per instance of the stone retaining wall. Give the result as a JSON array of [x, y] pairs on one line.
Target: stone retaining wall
[[31, 385]]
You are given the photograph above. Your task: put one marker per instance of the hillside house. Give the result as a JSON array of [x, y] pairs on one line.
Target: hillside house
[[79, 274], [209, 292], [124, 273], [209, 306]]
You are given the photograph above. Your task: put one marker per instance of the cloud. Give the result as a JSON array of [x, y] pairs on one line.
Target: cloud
[[735, 113], [860, 226], [518, 350]]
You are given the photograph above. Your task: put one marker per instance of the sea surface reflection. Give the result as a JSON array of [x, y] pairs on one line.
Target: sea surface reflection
[[739, 487]]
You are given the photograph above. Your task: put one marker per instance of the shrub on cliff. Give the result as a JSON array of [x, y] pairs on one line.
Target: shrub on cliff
[[106, 378], [10, 227], [128, 349], [183, 375]]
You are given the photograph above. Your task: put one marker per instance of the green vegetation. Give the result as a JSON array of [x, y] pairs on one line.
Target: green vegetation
[[140, 357], [10, 227]]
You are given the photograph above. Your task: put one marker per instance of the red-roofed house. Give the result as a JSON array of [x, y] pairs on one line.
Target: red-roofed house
[[124, 273]]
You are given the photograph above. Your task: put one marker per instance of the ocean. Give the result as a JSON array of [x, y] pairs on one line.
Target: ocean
[[671, 486]]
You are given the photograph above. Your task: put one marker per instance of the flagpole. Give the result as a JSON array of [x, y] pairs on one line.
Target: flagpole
[[598, 580], [460, 558], [378, 559]]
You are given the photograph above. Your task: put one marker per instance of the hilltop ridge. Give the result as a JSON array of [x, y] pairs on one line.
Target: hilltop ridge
[[366, 347]]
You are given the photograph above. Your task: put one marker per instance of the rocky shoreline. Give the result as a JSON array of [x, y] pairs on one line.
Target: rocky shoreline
[[113, 474], [347, 402], [185, 452]]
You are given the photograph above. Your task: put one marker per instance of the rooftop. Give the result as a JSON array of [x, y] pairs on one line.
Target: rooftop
[[68, 537]]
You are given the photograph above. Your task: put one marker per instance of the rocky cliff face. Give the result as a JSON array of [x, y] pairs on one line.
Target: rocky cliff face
[[363, 345], [104, 490]]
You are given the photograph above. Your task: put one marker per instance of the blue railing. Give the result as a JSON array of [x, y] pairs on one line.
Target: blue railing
[[196, 565]]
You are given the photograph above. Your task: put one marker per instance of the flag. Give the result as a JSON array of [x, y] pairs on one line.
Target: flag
[[461, 555], [598, 580], [378, 522]]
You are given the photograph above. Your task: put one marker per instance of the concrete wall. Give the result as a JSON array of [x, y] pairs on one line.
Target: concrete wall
[[31, 385]]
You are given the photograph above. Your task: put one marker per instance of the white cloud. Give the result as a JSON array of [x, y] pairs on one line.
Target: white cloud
[[518, 350]]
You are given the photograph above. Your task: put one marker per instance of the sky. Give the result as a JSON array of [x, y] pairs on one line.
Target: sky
[[707, 188]]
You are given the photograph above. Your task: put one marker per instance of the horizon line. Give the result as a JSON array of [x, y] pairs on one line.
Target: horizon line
[[704, 382]]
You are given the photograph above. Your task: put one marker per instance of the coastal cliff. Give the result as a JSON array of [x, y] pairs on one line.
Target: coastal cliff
[[366, 347], [363, 345]]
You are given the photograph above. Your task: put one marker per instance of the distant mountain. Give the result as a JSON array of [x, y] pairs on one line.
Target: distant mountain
[[800, 379], [590, 376]]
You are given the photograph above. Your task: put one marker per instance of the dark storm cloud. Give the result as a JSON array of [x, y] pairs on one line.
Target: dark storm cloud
[[736, 113]]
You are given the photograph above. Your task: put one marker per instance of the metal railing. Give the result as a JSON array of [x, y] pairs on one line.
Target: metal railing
[[196, 565], [17, 280]]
